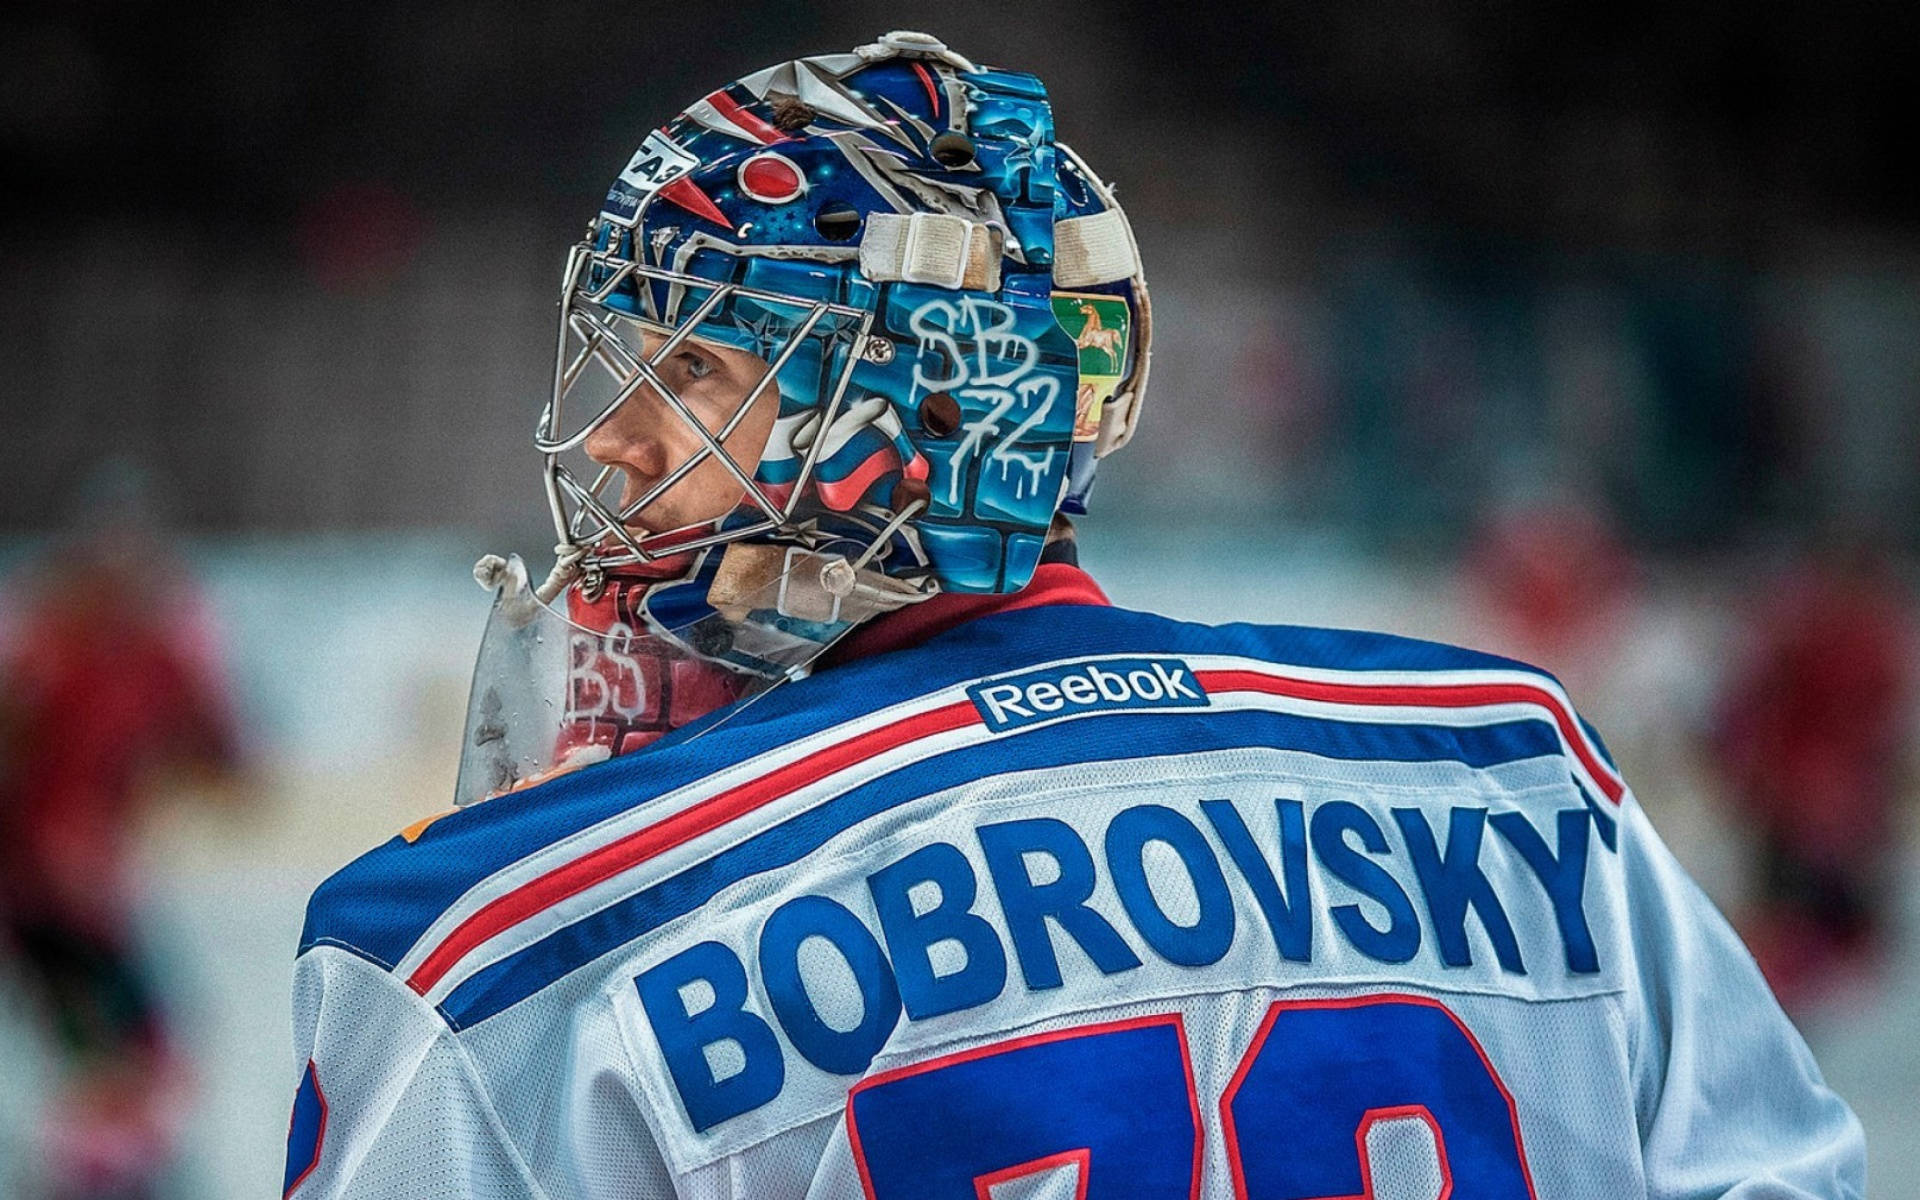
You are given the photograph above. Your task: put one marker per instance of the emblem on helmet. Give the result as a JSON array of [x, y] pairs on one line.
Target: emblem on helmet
[[771, 178]]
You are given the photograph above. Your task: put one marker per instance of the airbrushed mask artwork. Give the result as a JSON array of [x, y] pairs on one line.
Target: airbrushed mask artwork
[[890, 320]]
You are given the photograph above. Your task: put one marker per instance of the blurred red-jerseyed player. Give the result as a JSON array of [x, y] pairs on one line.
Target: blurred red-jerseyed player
[[106, 674], [1810, 738]]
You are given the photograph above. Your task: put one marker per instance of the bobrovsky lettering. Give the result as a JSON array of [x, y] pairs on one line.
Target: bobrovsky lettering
[[928, 912], [1015, 701]]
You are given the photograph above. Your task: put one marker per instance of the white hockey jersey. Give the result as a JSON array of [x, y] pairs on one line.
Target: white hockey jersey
[[1069, 901]]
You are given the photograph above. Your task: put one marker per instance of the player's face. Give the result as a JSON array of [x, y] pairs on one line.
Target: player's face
[[646, 439]]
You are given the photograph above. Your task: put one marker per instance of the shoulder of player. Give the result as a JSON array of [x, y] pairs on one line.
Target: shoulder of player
[[398, 896], [379, 904], [1052, 631], [412, 891], [1389, 668], [1059, 631], [1380, 671], [1360, 650], [1350, 675]]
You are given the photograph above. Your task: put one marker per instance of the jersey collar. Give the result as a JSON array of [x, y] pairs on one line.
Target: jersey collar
[[1052, 583]]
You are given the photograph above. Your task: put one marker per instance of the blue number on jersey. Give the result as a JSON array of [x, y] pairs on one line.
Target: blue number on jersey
[[1322, 1075], [1117, 1099], [1326, 1092]]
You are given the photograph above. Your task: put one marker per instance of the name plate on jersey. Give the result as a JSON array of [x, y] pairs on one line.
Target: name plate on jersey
[[1076, 688]]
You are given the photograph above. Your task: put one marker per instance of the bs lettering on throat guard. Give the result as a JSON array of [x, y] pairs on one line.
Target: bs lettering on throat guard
[[1076, 688]]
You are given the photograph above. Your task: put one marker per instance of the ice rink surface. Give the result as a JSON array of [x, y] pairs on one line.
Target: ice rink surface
[[351, 657]]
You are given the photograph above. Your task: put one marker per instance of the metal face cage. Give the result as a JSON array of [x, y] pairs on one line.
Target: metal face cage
[[608, 306]]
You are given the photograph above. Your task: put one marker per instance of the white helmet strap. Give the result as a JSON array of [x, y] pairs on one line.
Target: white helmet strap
[[939, 249]]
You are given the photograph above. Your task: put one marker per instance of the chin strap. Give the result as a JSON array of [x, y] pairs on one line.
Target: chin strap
[[799, 583], [810, 586], [796, 582], [806, 585]]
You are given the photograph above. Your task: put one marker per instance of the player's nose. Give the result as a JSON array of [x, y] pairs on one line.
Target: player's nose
[[630, 438]]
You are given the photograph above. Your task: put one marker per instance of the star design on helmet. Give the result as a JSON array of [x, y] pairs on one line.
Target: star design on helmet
[[768, 333], [1025, 146]]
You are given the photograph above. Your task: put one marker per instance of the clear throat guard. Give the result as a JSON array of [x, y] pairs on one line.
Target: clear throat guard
[[603, 672]]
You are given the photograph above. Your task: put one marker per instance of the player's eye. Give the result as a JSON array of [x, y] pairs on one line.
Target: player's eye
[[696, 365]]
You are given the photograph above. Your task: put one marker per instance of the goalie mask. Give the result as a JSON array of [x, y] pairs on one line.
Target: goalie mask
[[847, 333]]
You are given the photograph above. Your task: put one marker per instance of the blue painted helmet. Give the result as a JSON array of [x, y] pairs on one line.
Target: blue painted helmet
[[949, 304], [930, 323]]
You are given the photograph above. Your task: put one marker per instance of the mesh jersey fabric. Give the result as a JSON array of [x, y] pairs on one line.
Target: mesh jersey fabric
[[1068, 900]]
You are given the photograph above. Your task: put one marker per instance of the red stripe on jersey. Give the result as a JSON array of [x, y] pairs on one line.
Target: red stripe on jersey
[[597, 866], [1430, 695]]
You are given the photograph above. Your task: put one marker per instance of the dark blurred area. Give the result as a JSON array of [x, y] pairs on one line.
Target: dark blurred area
[[1590, 336], [1413, 260]]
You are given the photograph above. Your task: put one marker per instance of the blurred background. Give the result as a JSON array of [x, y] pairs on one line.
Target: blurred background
[[1589, 336]]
